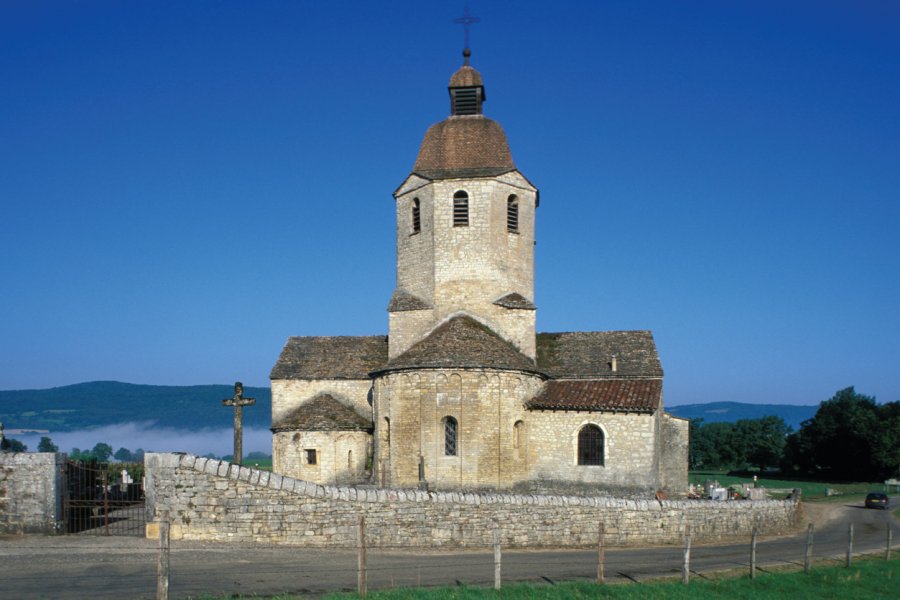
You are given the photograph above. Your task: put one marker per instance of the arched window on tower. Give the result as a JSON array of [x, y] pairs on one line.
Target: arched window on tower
[[512, 214], [416, 216], [590, 445], [450, 439], [460, 209]]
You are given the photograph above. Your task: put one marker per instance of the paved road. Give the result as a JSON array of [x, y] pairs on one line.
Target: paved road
[[76, 567]]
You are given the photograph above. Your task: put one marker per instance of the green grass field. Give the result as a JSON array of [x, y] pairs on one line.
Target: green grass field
[[870, 578], [264, 464]]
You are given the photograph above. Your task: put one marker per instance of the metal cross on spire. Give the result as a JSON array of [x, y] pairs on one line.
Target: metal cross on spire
[[465, 21]]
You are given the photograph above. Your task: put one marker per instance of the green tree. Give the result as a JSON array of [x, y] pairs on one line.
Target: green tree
[[47, 445], [102, 452], [762, 440], [11, 445], [716, 446], [123, 455], [850, 437]]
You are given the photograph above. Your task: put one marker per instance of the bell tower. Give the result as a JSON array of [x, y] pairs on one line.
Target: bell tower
[[465, 228]]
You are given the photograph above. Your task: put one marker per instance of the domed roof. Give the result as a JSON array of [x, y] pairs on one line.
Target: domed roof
[[466, 77], [464, 146]]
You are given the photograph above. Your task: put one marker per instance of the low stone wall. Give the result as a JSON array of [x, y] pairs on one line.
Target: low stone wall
[[31, 492], [215, 500]]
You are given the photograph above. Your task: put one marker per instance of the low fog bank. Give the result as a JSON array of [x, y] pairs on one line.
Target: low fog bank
[[154, 439]]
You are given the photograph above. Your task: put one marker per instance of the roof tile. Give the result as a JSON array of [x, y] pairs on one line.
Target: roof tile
[[625, 395], [323, 413], [588, 354], [462, 342], [340, 357]]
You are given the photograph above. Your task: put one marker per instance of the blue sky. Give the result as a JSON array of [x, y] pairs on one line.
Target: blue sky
[[186, 184]]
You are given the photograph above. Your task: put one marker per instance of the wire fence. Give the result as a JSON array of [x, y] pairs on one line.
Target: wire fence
[[78, 567]]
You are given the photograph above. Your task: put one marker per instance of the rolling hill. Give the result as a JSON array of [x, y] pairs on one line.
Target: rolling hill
[[99, 403], [714, 412]]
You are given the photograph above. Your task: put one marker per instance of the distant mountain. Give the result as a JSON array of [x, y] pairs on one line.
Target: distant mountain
[[714, 412], [99, 403]]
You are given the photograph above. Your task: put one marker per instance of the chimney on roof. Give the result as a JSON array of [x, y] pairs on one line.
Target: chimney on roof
[[614, 364]]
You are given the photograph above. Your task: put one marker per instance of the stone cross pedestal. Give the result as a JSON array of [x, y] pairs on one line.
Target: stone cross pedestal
[[238, 402]]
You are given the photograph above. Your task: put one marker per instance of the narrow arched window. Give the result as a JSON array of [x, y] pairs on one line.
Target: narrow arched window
[[590, 445], [460, 209], [512, 214], [416, 216], [518, 429], [450, 440]]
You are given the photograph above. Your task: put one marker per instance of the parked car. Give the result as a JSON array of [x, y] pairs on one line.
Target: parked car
[[877, 500]]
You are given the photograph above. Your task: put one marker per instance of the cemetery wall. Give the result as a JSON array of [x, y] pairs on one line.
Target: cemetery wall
[[31, 487], [214, 500]]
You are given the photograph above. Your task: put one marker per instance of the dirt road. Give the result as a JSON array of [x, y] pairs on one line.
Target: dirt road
[[75, 567]]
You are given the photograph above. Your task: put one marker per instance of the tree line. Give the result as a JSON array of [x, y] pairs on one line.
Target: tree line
[[102, 452], [851, 437]]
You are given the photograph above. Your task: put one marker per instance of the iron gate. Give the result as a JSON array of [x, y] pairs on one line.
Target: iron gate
[[104, 498]]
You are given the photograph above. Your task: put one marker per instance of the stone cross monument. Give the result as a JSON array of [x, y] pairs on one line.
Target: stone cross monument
[[238, 402]]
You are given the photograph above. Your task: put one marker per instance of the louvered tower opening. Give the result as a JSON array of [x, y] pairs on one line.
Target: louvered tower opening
[[466, 101]]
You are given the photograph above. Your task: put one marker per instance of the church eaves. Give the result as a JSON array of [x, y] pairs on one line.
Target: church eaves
[[461, 343], [589, 355], [338, 357], [403, 300], [515, 300]]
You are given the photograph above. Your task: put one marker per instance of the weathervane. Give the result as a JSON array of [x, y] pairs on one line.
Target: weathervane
[[465, 21]]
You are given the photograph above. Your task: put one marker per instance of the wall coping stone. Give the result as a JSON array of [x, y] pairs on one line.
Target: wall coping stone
[[400, 495]]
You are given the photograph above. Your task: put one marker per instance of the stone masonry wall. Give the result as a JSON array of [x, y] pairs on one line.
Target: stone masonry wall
[[466, 268], [629, 457], [486, 405], [674, 445], [214, 500], [340, 456], [31, 492]]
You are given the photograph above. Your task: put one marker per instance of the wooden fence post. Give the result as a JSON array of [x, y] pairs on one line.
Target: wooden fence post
[[496, 556], [850, 546], [162, 568], [601, 554], [887, 550], [686, 565], [753, 554], [361, 556], [807, 557]]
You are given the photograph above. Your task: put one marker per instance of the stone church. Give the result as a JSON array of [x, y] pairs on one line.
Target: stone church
[[463, 394]]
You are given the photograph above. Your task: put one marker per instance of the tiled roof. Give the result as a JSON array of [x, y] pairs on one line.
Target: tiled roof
[[342, 357], [515, 300], [622, 395], [466, 76], [464, 144], [462, 342], [403, 300], [323, 413], [588, 354]]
